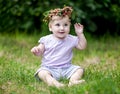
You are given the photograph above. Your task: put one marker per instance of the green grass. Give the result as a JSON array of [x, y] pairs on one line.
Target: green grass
[[101, 61]]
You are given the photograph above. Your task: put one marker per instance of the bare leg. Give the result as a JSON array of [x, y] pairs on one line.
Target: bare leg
[[75, 78], [48, 79]]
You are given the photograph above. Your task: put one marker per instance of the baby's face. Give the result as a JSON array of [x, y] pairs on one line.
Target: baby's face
[[60, 26]]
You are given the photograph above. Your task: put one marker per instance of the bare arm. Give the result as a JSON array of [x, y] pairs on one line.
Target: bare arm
[[82, 40], [38, 50]]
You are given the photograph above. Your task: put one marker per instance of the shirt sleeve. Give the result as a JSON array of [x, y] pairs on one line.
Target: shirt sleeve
[[41, 40], [74, 41]]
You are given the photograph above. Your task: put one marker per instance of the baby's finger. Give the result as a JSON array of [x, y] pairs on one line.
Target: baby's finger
[[36, 50], [76, 25], [32, 50]]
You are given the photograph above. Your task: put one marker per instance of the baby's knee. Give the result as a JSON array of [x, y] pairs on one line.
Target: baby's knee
[[80, 70], [43, 73]]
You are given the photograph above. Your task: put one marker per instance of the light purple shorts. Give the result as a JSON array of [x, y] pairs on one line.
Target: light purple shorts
[[59, 73]]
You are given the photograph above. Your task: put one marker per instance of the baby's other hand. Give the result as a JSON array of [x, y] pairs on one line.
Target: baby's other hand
[[36, 51], [78, 28]]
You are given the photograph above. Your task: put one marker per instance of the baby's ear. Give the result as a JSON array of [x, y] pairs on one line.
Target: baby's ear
[[50, 27]]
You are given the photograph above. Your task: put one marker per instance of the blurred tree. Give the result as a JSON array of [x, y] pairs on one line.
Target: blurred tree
[[99, 16]]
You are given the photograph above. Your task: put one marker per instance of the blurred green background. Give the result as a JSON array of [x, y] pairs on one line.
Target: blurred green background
[[21, 26], [98, 16]]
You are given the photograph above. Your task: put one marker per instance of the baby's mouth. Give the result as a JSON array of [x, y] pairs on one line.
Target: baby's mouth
[[61, 32]]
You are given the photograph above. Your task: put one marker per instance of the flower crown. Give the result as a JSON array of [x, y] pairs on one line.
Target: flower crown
[[57, 12]]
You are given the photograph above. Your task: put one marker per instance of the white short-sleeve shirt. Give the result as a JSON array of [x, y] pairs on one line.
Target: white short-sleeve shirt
[[58, 52]]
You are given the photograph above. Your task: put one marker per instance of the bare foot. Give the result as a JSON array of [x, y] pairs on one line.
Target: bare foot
[[56, 84], [76, 82], [59, 85]]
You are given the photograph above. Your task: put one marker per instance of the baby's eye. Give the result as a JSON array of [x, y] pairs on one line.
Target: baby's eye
[[65, 24], [57, 24]]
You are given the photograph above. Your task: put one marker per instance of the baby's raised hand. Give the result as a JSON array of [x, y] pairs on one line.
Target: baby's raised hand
[[78, 28]]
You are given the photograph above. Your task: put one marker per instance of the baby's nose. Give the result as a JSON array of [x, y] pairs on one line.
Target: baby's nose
[[61, 27]]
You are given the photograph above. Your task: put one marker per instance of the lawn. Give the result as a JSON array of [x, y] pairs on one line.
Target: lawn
[[101, 61]]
